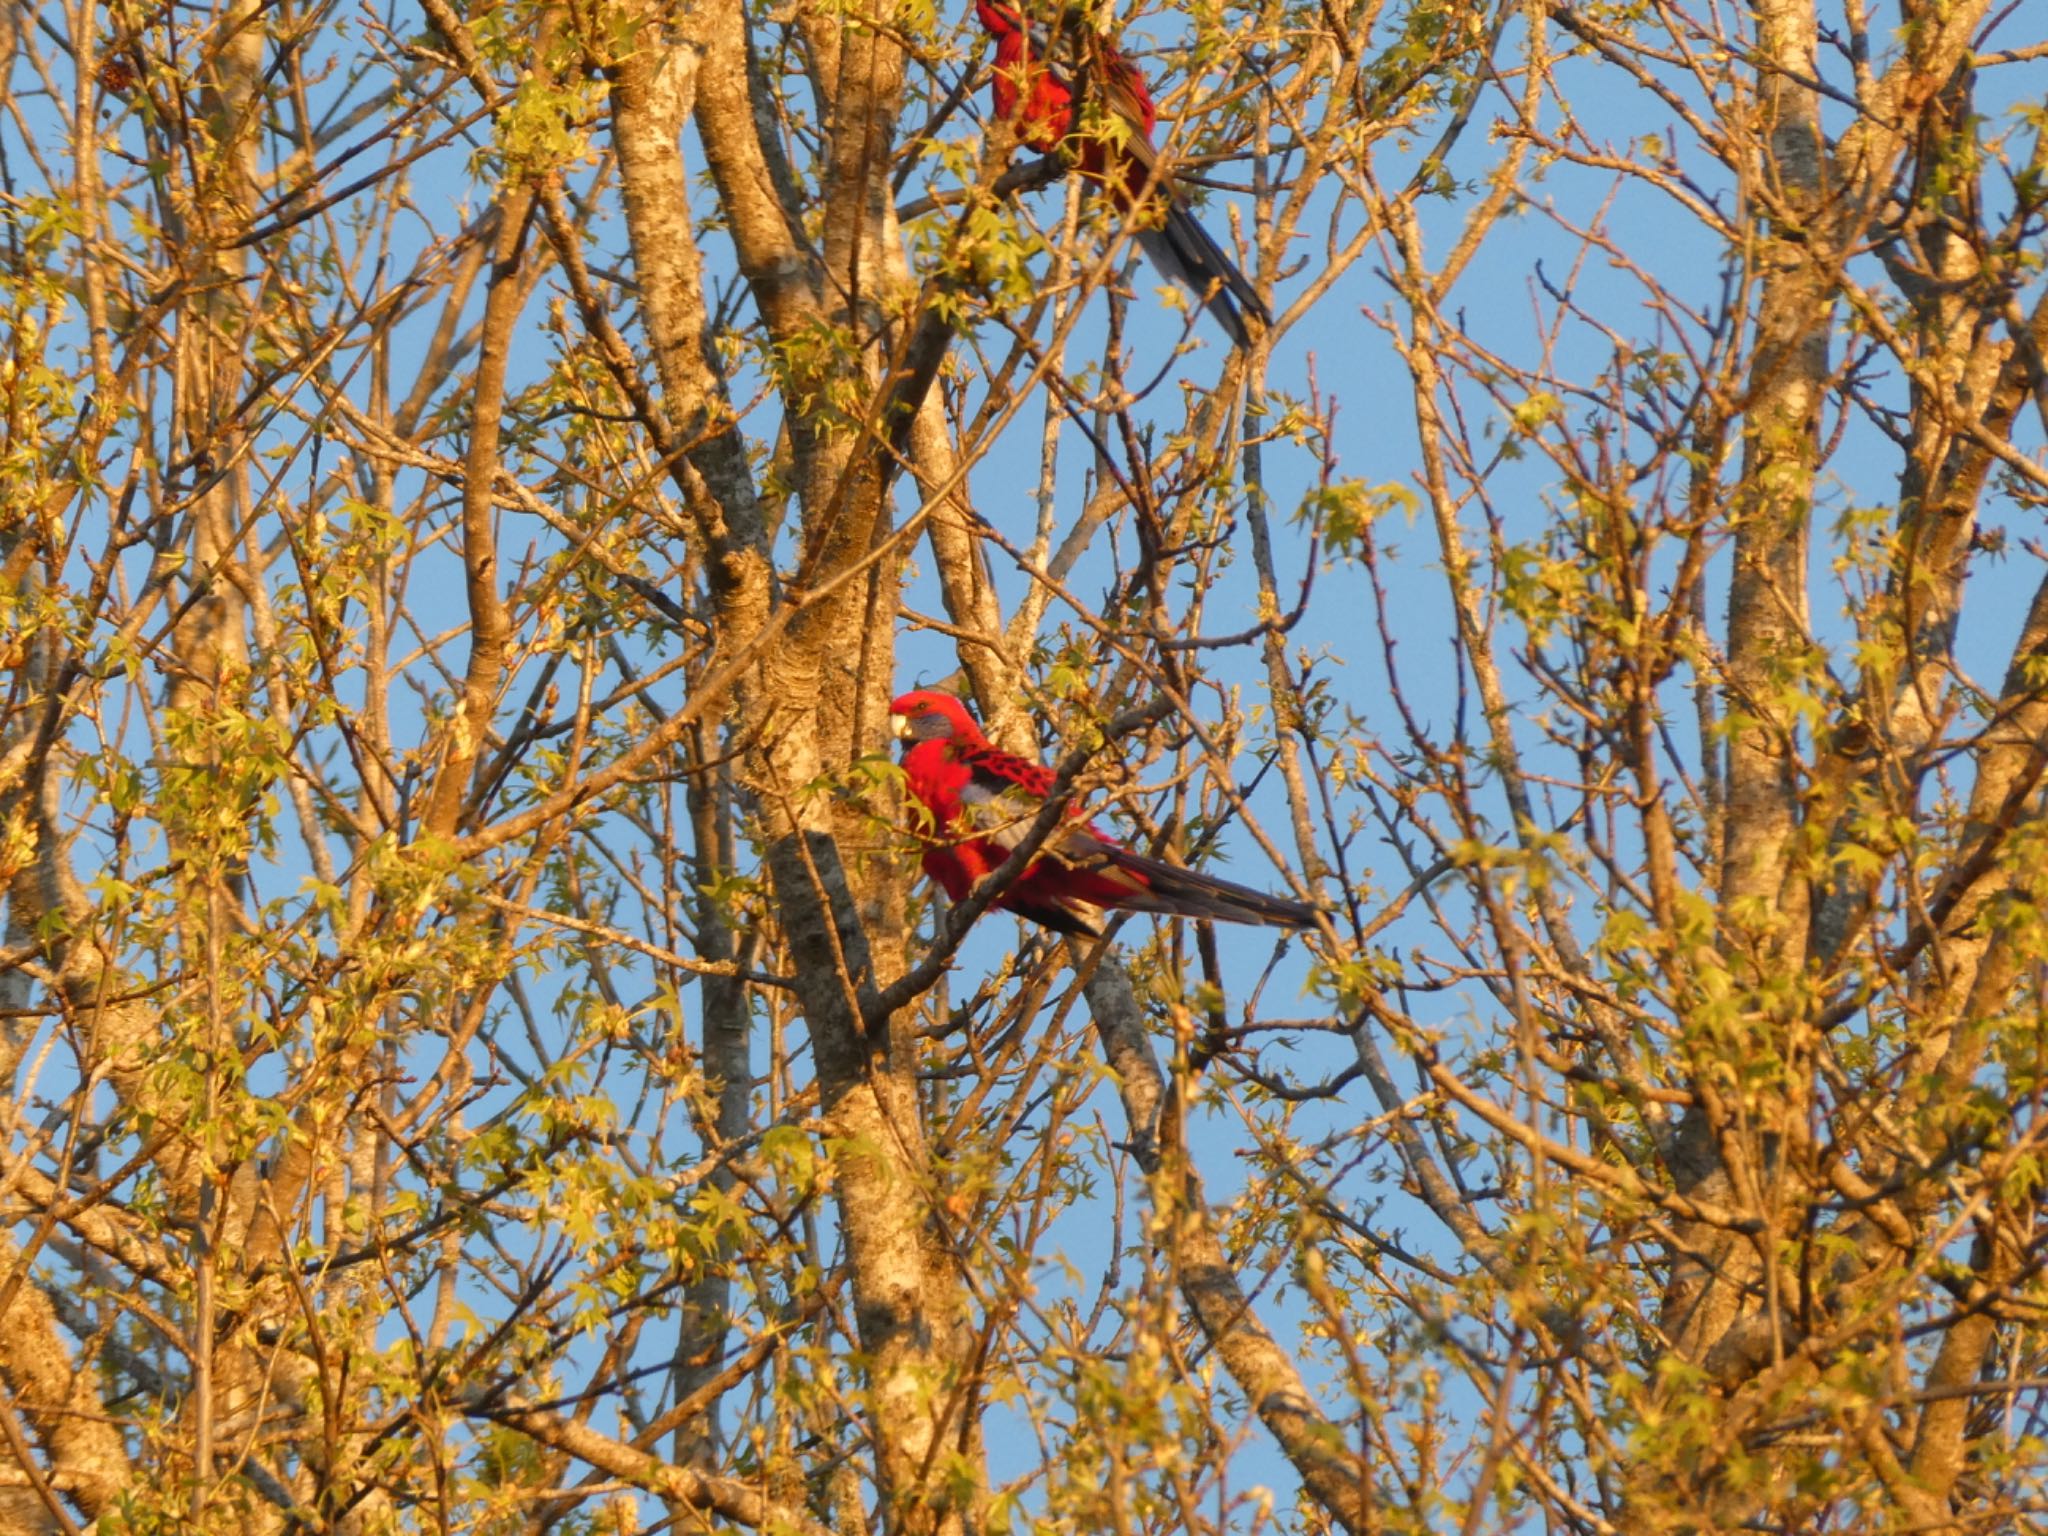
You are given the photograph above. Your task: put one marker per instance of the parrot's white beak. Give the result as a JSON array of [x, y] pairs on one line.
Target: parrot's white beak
[[899, 726]]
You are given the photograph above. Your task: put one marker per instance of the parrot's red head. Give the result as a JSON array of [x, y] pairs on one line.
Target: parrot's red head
[[927, 714], [1000, 19]]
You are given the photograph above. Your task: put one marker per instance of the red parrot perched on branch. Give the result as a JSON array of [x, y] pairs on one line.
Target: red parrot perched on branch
[[983, 801], [1037, 90]]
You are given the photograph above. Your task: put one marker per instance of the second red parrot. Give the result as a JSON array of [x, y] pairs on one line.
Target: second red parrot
[[1037, 85]]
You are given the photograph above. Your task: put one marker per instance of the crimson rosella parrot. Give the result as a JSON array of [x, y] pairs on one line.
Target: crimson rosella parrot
[[983, 801], [1036, 89]]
